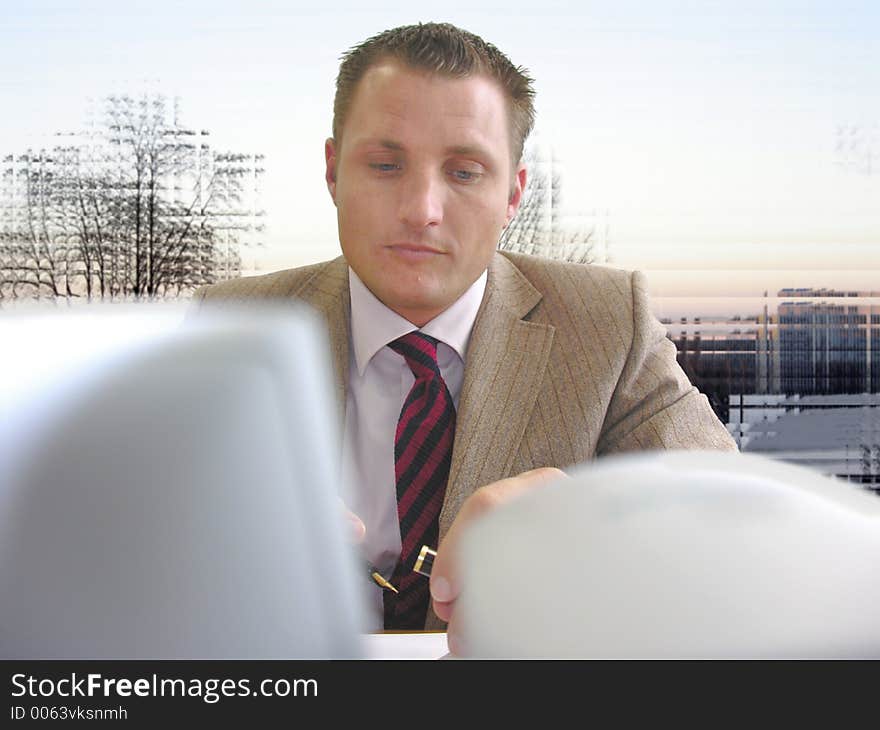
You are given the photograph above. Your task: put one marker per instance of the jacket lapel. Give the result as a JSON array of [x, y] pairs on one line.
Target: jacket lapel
[[327, 292], [505, 365]]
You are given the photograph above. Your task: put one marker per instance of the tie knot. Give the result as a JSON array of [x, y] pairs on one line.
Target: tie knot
[[420, 352]]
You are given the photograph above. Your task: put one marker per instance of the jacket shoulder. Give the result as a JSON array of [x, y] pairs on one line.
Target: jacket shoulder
[[276, 285], [566, 285]]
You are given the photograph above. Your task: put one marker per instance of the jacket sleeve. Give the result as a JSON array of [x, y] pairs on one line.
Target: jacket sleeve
[[654, 405]]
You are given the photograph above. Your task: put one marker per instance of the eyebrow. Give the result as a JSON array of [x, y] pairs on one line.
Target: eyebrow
[[389, 144], [476, 150]]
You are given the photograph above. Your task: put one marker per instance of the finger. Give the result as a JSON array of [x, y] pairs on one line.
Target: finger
[[443, 609], [355, 528], [454, 643], [445, 583], [513, 487], [455, 640]]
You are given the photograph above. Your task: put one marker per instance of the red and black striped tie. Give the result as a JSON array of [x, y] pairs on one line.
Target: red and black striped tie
[[422, 454]]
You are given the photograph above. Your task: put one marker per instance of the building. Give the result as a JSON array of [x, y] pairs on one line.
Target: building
[[837, 435], [720, 357], [829, 341], [817, 342]]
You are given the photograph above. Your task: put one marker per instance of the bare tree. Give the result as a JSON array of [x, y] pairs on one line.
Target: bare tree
[[137, 207], [538, 228]]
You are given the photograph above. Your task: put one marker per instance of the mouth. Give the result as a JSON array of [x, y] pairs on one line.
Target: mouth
[[414, 251]]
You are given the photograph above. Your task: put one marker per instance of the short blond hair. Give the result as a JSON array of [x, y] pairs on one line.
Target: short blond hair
[[440, 48]]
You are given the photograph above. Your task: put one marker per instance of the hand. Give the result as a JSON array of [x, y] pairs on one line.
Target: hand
[[445, 574], [354, 526]]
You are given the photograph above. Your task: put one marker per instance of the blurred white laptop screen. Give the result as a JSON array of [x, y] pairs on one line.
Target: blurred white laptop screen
[[677, 554], [168, 488]]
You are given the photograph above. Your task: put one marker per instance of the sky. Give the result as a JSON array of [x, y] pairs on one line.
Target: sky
[[724, 148]]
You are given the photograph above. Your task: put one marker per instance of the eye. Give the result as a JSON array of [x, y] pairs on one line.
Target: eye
[[385, 166], [464, 175]]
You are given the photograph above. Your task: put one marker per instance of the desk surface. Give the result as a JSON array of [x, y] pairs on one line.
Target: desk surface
[[406, 645]]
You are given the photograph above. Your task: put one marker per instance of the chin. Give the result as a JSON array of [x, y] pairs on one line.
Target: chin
[[405, 301]]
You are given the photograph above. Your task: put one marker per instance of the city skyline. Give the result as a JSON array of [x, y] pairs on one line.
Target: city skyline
[[728, 147]]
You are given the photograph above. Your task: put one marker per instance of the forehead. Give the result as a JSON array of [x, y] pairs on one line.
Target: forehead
[[398, 103]]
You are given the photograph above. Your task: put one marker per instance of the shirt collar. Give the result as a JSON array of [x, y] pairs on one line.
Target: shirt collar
[[373, 325]]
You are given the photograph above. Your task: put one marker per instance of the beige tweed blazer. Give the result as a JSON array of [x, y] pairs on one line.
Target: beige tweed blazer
[[565, 363]]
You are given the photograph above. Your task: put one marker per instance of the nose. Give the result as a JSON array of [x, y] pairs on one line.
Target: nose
[[421, 200]]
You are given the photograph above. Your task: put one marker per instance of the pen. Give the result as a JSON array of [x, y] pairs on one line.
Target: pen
[[379, 580], [425, 561]]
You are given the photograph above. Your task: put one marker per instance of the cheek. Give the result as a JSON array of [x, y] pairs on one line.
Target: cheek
[[359, 216], [485, 219]]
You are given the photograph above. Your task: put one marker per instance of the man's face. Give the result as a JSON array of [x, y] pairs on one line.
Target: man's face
[[423, 185]]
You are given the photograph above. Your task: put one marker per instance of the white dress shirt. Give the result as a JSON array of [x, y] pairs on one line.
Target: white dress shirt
[[378, 382]]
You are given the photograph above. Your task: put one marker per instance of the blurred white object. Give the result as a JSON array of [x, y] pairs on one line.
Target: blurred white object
[[168, 489], [677, 554], [419, 645]]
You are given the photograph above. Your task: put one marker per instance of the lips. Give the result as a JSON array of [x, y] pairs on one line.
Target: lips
[[415, 248]]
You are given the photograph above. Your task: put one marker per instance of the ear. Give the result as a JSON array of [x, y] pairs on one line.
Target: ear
[[330, 171], [516, 192]]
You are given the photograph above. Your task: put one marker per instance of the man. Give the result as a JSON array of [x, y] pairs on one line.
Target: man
[[464, 372]]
